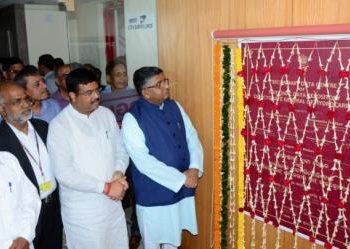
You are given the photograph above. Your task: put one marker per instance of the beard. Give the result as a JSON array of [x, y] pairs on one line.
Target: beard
[[21, 118]]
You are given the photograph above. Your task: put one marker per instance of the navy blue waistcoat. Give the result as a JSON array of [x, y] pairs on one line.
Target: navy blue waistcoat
[[165, 136]]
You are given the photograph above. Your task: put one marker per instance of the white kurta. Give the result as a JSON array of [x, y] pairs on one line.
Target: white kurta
[[85, 151], [19, 202], [164, 224]]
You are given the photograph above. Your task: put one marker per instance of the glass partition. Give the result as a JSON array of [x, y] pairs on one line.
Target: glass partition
[[101, 31]]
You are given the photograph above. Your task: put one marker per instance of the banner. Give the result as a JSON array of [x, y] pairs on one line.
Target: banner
[[297, 113], [119, 102]]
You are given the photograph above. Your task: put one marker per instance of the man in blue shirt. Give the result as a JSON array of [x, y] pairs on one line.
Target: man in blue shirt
[[44, 108], [167, 159]]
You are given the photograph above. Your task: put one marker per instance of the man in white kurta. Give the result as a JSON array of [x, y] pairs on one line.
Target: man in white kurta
[[86, 150], [19, 204], [161, 224]]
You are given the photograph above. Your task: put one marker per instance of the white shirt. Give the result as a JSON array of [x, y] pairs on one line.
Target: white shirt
[[85, 152], [19, 202], [39, 159], [164, 224]]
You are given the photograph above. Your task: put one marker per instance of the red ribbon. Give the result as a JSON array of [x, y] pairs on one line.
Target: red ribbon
[[300, 72], [297, 147], [261, 104], [267, 141], [291, 108], [324, 200], [343, 74], [280, 143], [321, 72], [284, 70], [266, 70], [341, 205], [274, 106], [331, 114], [338, 156], [328, 245], [318, 151], [310, 109]]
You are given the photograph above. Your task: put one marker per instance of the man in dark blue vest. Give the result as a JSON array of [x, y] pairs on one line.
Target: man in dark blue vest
[[167, 159]]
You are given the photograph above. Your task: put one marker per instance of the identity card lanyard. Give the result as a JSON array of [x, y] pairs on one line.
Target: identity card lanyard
[[38, 163]]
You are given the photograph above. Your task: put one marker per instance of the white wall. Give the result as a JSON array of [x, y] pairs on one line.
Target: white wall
[[86, 31], [140, 34], [87, 36], [46, 32]]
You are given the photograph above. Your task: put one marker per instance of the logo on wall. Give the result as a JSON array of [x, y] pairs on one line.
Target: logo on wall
[[139, 22]]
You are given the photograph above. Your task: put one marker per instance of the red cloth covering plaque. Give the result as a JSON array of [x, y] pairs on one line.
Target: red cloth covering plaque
[[297, 110]]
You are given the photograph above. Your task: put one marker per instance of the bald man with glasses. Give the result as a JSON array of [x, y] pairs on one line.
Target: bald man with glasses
[[25, 138]]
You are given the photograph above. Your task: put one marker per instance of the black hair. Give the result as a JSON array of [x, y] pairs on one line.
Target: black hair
[[28, 70], [8, 62], [95, 70], [79, 76], [57, 62], [142, 75], [47, 60]]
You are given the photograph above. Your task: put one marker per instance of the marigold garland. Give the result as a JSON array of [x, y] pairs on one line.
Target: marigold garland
[[217, 143], [222, 100], [240, 145]]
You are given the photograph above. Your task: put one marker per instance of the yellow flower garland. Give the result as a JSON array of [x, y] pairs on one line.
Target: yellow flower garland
[[241, 146], [217, 70]]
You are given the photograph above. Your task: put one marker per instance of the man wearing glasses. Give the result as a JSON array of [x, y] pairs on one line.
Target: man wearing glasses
[[89, 161], [25, 138], [167, 159]]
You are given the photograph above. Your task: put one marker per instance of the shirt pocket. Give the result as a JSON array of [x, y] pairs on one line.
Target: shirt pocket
[[9, 197], [106, 140]]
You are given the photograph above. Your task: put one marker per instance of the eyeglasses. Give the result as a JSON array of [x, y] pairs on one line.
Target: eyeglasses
[[89, 93], [20, 101], [159, 84]]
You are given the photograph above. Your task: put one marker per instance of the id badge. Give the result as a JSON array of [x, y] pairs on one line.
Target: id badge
[[46, 186]]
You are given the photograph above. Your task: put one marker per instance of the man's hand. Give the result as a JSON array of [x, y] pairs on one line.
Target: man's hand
[[191, 178], [118, 188], [116, 175], [20, 243]]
